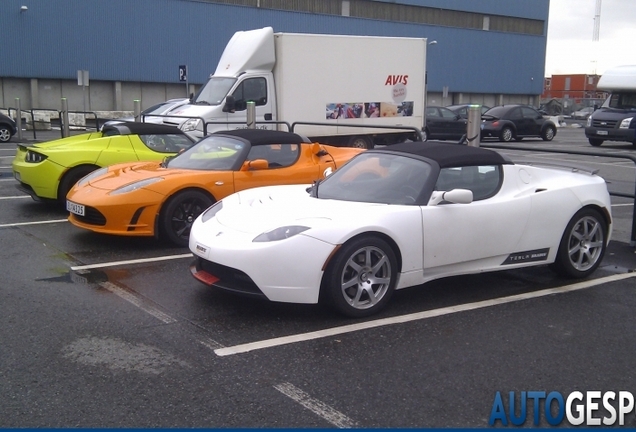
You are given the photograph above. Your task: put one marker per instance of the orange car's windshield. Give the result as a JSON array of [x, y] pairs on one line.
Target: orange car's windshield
[[215, 153]]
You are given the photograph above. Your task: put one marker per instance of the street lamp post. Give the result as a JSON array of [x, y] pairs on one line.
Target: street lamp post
[[434, 42]]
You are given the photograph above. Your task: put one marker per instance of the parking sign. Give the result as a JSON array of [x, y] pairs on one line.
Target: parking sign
[[183, 73]]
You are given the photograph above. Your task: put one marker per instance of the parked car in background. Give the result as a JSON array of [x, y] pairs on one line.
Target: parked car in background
[[163, 199], [443, 124], [583, 113], [7, 128], [46, 171], [397, 217], [516, 122], [462, 109]]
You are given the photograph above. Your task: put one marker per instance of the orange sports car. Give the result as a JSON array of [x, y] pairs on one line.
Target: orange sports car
[[163, 199]]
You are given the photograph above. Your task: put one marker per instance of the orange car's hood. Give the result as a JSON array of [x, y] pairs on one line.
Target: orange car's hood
[[124, 174]]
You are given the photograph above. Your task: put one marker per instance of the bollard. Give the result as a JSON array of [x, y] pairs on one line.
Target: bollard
[[473, 132], [137, 106], [251, 115], [65, 127], [18, 118]]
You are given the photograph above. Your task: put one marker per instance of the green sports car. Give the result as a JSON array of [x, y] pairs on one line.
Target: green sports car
[[48, 170]]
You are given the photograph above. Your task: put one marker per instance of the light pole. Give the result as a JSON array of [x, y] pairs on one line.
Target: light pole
[[433, 42]]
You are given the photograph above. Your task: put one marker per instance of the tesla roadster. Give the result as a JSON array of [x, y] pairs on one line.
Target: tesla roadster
[[163, 198], [46, 171], [397, 217]]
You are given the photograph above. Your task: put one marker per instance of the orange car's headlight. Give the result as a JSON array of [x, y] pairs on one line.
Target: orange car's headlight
[[130, 187]]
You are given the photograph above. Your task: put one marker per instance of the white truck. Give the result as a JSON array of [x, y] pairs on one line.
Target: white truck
[[615, 120], [340, 90]]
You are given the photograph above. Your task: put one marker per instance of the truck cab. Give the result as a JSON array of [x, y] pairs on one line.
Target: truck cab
[[615, 120]]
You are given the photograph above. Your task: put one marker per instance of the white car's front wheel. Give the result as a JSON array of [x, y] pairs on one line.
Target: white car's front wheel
[[583, 244], [362, 276]]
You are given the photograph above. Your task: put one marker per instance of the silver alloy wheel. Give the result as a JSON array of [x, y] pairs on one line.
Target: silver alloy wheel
[[366, 277], [506, 134], [5, 134], [586, 243], [549, 134]]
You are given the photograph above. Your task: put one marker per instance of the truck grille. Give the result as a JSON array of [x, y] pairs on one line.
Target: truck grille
[[604, 124]]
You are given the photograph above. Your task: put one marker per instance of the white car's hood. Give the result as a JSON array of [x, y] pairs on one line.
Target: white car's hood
[[261, 209]]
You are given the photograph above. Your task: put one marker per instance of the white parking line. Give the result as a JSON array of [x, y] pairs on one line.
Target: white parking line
[[333, 416], [268, 343], [138, 301], [15, 197], [33, 223], [126, 262]]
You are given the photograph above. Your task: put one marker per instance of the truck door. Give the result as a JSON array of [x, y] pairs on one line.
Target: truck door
[[253, 89]]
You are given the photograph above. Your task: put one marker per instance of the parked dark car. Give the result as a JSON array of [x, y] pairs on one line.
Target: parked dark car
[[462, 109], [443, 124], [7, 128], [508, 122]]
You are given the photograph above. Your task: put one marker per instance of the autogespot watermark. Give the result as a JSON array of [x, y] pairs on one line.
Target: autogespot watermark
[[592, 408]]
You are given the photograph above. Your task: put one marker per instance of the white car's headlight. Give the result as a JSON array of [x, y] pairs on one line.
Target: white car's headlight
[[190, 125], [625, 123], [211, 211], [280, 233], [134, 186], [86, 179]]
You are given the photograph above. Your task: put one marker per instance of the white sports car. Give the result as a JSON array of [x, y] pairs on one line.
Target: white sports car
[[397, 217]]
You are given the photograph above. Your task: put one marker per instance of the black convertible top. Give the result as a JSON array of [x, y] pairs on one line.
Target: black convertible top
[[265, 136], [449, 155], [138, 128]]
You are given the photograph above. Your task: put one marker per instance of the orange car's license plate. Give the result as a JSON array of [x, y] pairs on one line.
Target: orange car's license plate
[[74, 208]]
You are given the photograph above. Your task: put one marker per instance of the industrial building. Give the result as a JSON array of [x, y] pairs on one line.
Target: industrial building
[[105, 54]]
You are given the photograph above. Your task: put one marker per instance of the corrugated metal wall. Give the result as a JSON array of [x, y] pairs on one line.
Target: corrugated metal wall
[[146, 40]]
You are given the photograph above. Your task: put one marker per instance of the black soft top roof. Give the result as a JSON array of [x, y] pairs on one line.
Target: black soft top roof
[[449, 155], [138, 128], [265, 136]]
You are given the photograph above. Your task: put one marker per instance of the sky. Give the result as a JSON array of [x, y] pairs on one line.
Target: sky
[[570, 47]]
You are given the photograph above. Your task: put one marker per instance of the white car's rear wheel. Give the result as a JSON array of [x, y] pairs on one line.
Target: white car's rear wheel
[[362, 276], [583, 244]]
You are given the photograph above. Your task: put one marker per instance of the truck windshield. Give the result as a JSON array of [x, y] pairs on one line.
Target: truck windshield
[[622, 100], [214, 91]]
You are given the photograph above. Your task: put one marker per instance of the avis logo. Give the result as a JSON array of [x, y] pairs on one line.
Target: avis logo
[[396, 79]]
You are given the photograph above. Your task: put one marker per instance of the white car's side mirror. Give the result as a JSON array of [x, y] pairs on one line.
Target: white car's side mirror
[[455, 196]]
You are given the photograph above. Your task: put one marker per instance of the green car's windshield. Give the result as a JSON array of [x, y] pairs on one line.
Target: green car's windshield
[[215, 153]]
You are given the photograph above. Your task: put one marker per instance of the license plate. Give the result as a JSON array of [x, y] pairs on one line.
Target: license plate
[[601, 132], [16, 175], [74, 208]]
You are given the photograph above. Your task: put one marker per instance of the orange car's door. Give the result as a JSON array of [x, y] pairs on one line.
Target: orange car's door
[[288, 164]]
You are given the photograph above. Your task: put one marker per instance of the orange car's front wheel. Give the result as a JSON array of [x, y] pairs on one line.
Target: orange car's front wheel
[[180, 213]]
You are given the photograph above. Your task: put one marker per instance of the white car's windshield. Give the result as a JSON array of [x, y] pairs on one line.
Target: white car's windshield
[[214, 91], [377, 178]]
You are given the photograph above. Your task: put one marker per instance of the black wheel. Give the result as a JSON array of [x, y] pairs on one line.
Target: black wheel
[[360, 142], [583, 245], [424, 135], [179, 214], [69, 180], [362, 276], [506, 134], [595, 142], [5, 133], [548, 133]]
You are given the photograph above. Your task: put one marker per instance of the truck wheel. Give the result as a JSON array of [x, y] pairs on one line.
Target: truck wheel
[[595, 142], [360, 142]]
